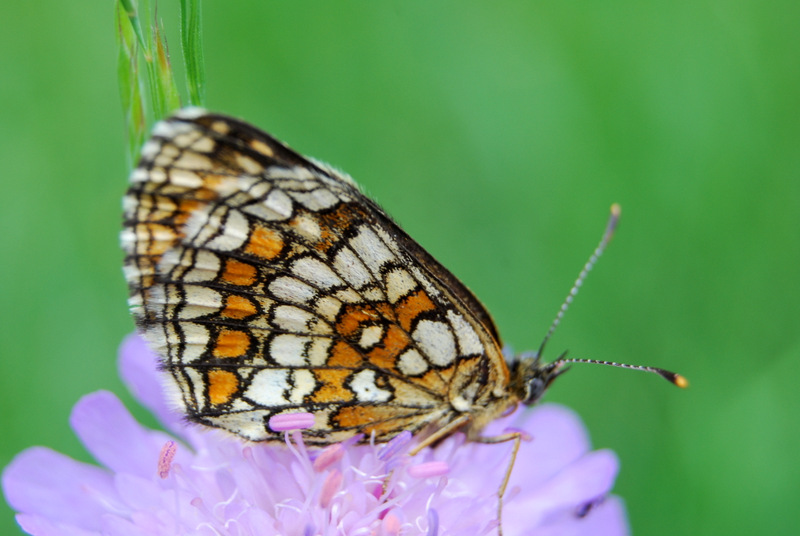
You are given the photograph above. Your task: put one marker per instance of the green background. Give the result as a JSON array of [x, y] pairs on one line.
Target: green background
[[498, 134]]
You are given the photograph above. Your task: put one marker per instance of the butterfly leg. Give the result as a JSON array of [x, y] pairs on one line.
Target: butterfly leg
[[516, 437], [454, 425], [441, 433]]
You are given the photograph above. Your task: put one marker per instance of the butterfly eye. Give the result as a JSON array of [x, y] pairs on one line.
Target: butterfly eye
[[534, 390]]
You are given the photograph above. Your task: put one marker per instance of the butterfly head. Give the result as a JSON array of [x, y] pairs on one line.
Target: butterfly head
[[531, 377]]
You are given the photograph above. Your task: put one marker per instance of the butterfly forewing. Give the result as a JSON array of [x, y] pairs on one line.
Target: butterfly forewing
[[269, 284]]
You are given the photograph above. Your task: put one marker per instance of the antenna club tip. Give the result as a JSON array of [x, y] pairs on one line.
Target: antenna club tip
[[616, 210], [680, 381]]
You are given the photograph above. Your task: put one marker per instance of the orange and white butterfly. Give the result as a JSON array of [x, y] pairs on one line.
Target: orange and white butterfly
[[270, 285]]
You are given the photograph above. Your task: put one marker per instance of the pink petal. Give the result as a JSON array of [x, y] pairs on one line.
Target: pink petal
[[138, 493], [139, 369], [586, 480], [558, 439], [605, 519], [40, 526], [111, 434], [117, 526], [57, 489]]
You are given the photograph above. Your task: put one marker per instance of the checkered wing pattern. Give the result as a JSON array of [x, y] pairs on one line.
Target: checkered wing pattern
[[269, 284]]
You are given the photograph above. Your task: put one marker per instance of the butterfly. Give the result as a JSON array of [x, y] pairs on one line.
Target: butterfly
[[270, 285]]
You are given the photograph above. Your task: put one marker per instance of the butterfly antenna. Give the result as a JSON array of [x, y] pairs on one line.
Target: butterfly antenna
[[672, 377], [613, 219], [556, 365]]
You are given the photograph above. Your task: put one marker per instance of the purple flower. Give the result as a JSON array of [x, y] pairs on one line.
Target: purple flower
[[205, 482]]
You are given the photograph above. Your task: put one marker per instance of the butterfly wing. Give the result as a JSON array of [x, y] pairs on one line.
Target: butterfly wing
[[269, 284]]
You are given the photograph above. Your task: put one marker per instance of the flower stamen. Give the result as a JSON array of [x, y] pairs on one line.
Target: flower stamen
[[329, 488], [328, 456], [291, 421], [165, 458], [429, 469]]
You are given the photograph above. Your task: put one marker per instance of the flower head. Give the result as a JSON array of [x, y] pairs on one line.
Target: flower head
[[199, 481]]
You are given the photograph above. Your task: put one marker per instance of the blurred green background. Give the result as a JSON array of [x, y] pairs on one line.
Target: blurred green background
[[498, 134]]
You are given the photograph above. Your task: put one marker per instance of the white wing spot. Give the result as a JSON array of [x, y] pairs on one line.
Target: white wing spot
[[150, 149], [371, 249], [316, 200], [204, 145], [370, 336], [318, 352], [185, 178], [468, 340], [278, 202], [436, 341], [249, 165], [292, 290], [460, 403], [234, 233], [303, 384], [268, 386], [191, 112], [316, 272], [195, 338], [203, 301], [276, 206], [205, 267], [363, 385], [307, 227], [289, 350], [328, 307], [350, 267], [290, 318], [411, 363], [399, 284]]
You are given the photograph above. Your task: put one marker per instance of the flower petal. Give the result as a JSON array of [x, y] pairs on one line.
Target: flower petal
[[224, 485], [559, 437], [607, 518], [41, 526], [139, 368], [586, 480], [119, 526], [139, 494], [58, 489], [111, 434]]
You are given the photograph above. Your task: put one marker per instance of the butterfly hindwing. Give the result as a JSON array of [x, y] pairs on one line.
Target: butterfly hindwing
[[268, 283]]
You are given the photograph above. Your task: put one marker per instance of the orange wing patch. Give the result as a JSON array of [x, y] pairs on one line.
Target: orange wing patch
[[222, 384], [238, 273], [238, 307], [345, 356], [264, 243], [392, 345], [333, 389], [411, 307], [231, 343], [383, 421]]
